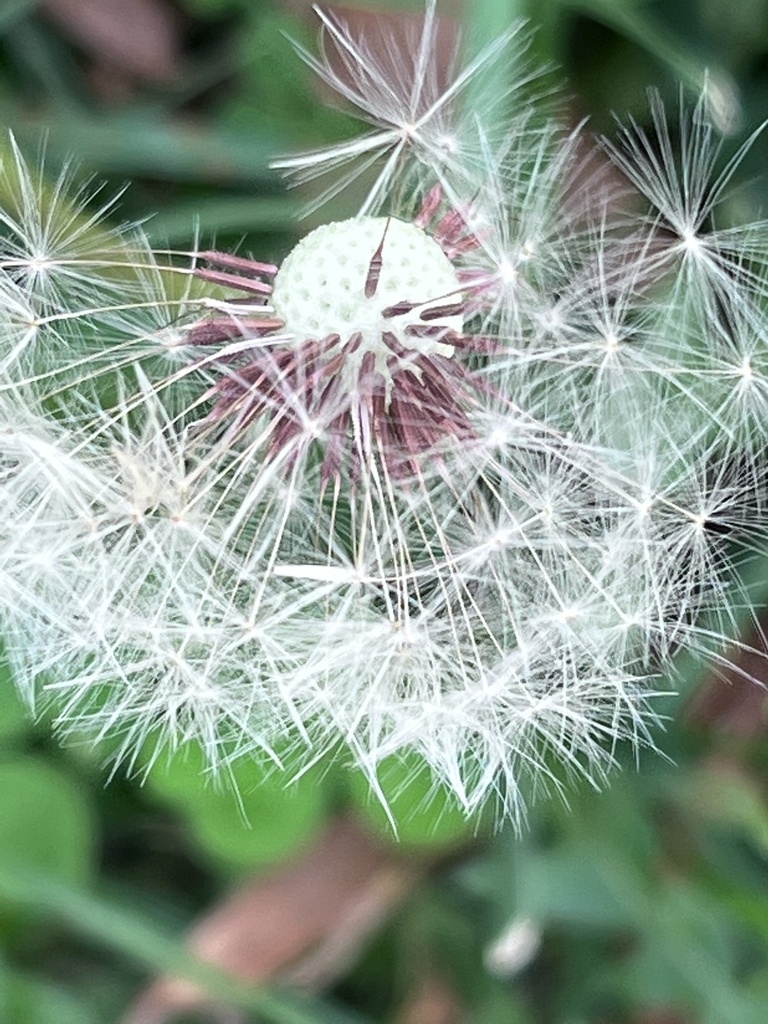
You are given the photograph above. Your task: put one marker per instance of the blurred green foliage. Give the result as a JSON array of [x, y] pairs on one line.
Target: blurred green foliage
[[250, 817], [650, 897]]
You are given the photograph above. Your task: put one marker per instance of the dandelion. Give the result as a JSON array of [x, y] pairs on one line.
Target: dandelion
[[459, 476]]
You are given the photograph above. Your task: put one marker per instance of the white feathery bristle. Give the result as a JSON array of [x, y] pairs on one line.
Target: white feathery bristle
[[461, 478]]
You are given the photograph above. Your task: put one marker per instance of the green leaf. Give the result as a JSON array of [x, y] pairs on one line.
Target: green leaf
[[211, 8], [48, 62], [250, 816], [46, 821], [599, 871], [579, 886], [689, 957], [14, 716], [220, 215], [727, 797], [139, 142], [25, 998], [15, 10], [502, 1006], [675, 54], [122, 930]]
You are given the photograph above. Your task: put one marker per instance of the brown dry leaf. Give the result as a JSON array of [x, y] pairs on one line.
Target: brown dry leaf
[[731, 700], [302, 924], [138, 37], [435, 1002], [387, 34]]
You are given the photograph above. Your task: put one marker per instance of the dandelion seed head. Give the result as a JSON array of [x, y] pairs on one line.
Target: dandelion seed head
[[370, 313], [459, 480], [320, 289]]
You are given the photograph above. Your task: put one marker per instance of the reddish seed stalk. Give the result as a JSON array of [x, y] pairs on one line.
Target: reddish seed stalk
[[409, 402]]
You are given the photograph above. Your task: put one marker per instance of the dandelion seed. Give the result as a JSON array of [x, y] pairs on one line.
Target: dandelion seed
[[55, 231], [414, 104], [685, 193]]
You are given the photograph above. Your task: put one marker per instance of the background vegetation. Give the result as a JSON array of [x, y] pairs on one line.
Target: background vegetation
[[646, 904]]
